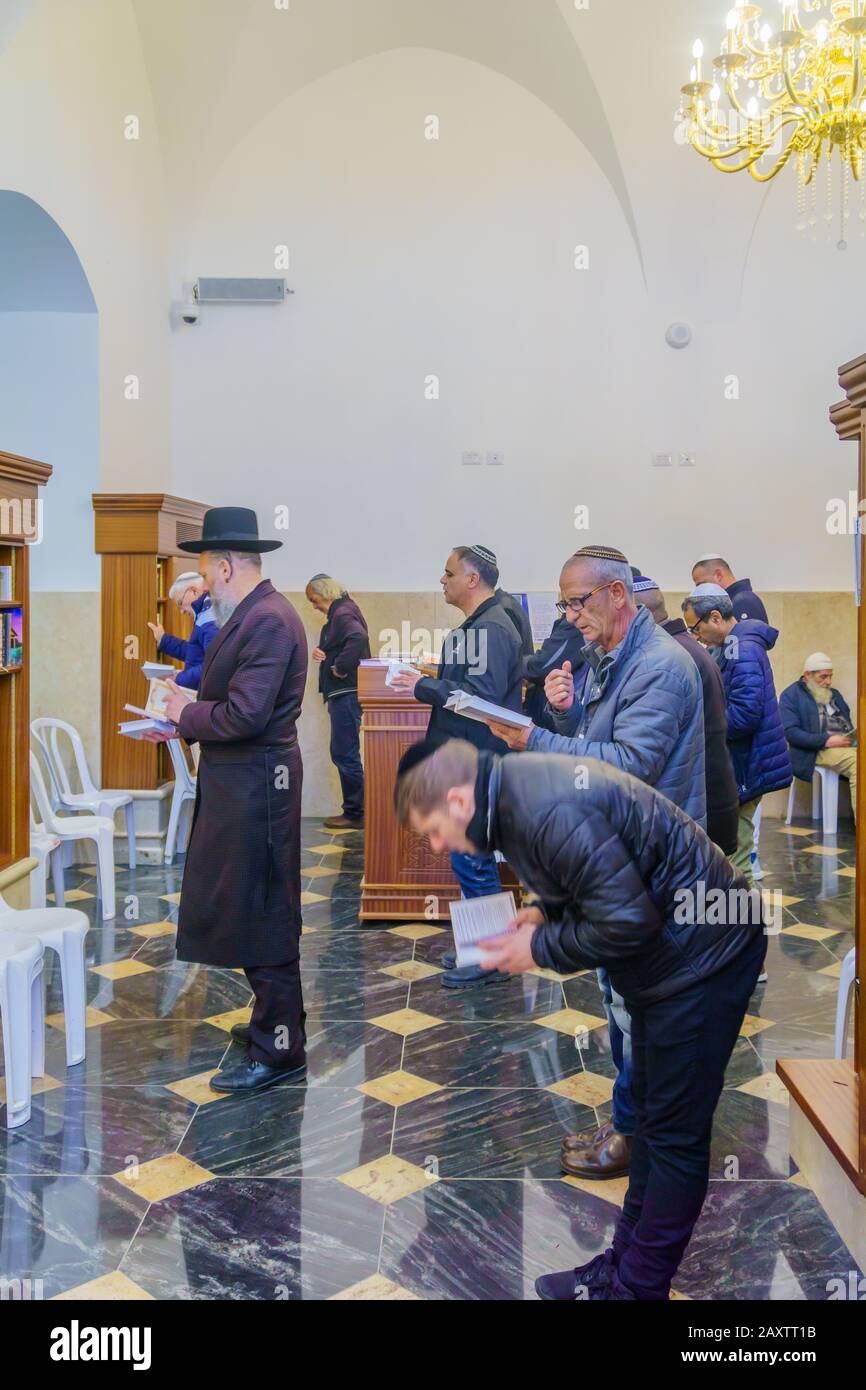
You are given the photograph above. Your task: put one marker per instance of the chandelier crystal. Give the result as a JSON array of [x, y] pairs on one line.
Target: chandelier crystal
[[789, 86]]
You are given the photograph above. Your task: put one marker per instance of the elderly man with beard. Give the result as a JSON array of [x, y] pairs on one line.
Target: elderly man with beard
[[818, 726], [241, 900]]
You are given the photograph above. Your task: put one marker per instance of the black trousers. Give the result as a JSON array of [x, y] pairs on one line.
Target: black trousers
[[345, 714], [680, 1049], [277, 1033]]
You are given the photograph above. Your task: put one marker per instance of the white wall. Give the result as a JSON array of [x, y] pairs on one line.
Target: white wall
[[49, 408], [455, 257]]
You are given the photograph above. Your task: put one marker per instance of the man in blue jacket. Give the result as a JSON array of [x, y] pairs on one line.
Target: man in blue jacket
[[818, 724], [712, 569], [189, 593], [638, 706], [623, 880], [756, 739]]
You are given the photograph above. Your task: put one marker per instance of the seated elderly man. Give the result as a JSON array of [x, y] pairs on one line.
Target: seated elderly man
[[817, 724]]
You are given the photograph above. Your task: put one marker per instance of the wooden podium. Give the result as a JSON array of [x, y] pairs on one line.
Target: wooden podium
[[403, 878]]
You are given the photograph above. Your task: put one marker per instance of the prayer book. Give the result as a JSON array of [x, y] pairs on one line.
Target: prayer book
[[158, 670], [137, 728], [473, 707], [479, 919]]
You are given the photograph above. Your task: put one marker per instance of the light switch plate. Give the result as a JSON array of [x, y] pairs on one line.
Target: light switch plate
[[661, 460], [471, 456]]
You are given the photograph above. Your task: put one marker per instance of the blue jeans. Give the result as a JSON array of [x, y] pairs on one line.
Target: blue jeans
[[345, 716], [619, 1031], [477, 874]]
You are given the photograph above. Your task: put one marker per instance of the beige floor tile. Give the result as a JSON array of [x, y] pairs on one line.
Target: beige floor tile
[[555, 975], [376, 1289], [163, 1177], [847, 873], [411, 970], [768, 1086], [387, 1179], [752, 1025], [398, 1088], [38, 1086], [108, 1288], [834, 970], [170, 897], [610, 1190], [319, 871], [571, 1021], [406, 1022], [584, 1088], [784, 899], [196, 1088], [327, 849], [228, 1020], [71, 895], [94, 1018], [808, 932], [307, 898], [151, 929], [416, 931], [121, 969], [827, 850], [793, 830], [799, 1180]]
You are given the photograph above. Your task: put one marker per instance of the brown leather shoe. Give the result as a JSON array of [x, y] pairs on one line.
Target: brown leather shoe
[[342, 823], [608, 1159], [586, 1140]]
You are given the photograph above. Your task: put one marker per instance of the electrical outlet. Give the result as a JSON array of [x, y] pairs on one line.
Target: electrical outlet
[[687, 461], [471, 456], [661, 460], [494, 456]]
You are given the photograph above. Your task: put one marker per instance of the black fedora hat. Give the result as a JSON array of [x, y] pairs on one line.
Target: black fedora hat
[[229, 528]]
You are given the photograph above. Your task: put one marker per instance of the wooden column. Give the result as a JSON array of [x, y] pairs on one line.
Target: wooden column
[[20, 480], [830, 1093], [137, 535]]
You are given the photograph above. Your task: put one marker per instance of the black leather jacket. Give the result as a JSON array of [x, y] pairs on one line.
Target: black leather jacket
[[618, 871]]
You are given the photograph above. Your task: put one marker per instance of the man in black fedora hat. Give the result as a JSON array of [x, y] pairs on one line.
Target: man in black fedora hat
[[241, 899]]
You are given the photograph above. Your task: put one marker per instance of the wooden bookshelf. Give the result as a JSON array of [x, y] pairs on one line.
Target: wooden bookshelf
[[138, 536], [20, 480]]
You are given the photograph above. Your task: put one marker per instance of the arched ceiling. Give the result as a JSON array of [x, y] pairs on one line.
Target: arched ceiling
[[39, 269], [219, 67]]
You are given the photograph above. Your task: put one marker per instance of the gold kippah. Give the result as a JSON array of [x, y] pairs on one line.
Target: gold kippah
[[600, 552]]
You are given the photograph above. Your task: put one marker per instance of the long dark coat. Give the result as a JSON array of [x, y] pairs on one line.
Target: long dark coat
[[241, 899]]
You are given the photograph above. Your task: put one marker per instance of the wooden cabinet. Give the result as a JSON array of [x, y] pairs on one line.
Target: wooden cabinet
[[20, 524], [138, 537]]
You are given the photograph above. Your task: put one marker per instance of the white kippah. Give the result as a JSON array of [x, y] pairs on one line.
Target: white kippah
[[704, 559], [818, 661], [709, 591]]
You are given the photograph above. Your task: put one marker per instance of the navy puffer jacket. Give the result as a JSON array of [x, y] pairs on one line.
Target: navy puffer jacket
[[615, 866], [756, 738], [801, 719]]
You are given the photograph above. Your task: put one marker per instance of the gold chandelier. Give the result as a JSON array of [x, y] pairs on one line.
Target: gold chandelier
[[793, 89]]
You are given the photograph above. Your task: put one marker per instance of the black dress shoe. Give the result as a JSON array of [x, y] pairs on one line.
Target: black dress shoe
[[254, 1076], [241, 1033]]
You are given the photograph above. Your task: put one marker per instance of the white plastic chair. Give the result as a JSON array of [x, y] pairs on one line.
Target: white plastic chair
[[68, 828], [843, 1003], [60, 929], [825, 799], [49, 734], [46, 849], [22, 1007], [757, 871], [184, 791]]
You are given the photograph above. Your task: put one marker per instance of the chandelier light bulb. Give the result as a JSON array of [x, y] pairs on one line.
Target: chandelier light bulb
[[821, 32], [766, 33], [697, 49], [732, 19], [716, 92], [693, 74], [752, 106]]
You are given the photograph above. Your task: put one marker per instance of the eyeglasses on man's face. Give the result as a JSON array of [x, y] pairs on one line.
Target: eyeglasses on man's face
[[578, 602]]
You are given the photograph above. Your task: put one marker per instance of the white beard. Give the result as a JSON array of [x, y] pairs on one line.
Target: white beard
[[222, 608]]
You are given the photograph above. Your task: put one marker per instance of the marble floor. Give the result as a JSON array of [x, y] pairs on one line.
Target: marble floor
[[420, 1158]]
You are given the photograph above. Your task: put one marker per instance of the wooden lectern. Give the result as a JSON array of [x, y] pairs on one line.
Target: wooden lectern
[[403, 878]]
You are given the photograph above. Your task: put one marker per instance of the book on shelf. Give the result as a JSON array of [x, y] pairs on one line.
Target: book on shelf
[[480, 919], [473, 707], [11, 638], [5, 583]]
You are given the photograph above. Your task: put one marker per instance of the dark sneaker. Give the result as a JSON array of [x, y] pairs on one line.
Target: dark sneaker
[[254, 1076], [470, 975], [586, 1282]]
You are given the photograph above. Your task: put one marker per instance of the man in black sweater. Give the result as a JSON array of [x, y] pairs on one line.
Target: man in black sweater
[[627, 881]]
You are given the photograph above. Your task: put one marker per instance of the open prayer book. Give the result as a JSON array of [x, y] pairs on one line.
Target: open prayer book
[[479, 919], [153, 716], [156, 670], [473, 707]]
